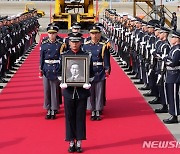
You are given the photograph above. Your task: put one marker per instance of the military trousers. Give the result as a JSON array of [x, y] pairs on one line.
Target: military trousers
[[75, 118], [173, 98], [51, 94], [97, 95], [163, 94]]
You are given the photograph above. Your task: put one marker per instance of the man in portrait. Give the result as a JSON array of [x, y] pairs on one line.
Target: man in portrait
[[75, 74]]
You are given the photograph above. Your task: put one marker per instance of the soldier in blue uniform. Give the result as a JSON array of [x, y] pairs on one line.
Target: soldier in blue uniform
[[51, 48], [105, 40], [101, 68], [75, 100], [162, 51], [76, 27], [173, 78]]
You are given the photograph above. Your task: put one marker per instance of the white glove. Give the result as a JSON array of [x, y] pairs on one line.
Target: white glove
[[59, 78], [63, 85], [86, 85]]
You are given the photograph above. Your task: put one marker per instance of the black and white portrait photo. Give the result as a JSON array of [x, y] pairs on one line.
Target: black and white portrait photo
[[75, 70]]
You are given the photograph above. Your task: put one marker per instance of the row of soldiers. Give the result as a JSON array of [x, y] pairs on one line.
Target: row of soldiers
[[143, 48], [17, 35]]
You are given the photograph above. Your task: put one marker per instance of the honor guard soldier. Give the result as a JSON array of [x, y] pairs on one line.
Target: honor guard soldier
[[75, 99], [173, 78], [154, 41], [162, 51], [76, 27], [101, 68], [50, 55], [174, 21]]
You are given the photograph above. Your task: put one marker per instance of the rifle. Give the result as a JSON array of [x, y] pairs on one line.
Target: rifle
[[152, 58], [140, 57], [122, 33], [160, 76], [136, 40]]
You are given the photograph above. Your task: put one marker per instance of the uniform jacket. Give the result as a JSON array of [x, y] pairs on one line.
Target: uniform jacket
[[100, 54], [105, 40], [173, 61], [51, 51], [163, 48]]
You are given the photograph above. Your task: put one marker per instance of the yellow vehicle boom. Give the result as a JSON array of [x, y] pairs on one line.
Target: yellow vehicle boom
[[67, 12]]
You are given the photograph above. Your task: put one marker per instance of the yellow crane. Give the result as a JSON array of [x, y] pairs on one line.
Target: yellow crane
[[67, 12]]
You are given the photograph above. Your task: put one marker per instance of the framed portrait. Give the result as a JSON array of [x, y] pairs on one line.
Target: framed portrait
[[75, 70]]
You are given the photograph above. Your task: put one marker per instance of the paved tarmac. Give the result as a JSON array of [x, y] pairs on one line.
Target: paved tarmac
[[13, 8]]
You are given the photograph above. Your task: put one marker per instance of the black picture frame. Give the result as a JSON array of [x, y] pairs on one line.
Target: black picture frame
[[78, 62]]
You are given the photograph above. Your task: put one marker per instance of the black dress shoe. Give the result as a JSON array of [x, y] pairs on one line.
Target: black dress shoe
[[134, 77], [171, 120], [125, 66], [15, 65], [155, 101], [93, 118], [13, 69], [7, 76], [3, 81], [148, 94], [98, 118], [9, 72], [128, 70], [164, 109], [57, 111], [78, 149], [145, 87], [53, 115], [131, 73], [71, 149], [48, 115], [138, 82]]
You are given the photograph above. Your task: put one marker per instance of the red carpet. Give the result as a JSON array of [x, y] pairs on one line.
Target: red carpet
[[128, 120]]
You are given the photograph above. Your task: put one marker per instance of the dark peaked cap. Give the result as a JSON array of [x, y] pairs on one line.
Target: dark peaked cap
[[94, 29], [76, 25], [52, 28], [75, 37], [164, 30]]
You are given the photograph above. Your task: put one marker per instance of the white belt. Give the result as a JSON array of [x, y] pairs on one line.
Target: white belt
[[173, 68], [97, 63], [52, 61]]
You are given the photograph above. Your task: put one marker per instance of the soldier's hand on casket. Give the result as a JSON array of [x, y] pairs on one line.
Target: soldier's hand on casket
[[63, 85], [86, 85]]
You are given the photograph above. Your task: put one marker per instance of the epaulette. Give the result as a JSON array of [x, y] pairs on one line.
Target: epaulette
[[87, 42], [85, 51], [45, 40], [62, 49], [66, 51], [102, 43], [59, 41]]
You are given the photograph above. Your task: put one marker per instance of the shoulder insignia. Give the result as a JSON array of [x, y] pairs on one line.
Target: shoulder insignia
[[45, 40], [66, 51], [87, 42], [103, 43]]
